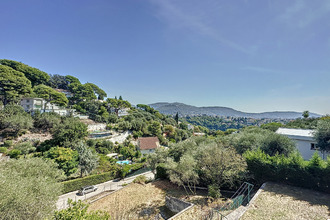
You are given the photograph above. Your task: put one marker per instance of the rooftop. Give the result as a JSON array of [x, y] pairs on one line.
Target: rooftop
[[295, 132], [147, 143]]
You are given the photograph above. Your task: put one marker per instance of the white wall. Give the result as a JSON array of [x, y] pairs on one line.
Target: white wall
[[304, 147]]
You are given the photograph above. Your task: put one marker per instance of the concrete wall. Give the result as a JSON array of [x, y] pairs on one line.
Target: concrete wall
[[176, 205]]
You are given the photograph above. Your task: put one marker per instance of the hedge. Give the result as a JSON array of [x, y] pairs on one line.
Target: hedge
[[292, 170], [76, 184]]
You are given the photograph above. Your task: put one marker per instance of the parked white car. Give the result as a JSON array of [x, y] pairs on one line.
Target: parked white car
[[87, 189]]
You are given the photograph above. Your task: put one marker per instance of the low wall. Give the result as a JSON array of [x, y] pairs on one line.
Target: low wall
[[176, 205], [97, 127]]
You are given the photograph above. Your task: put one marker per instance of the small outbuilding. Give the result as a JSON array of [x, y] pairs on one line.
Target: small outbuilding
[[148, 144]]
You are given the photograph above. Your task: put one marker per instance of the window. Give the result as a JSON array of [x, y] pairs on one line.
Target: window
[[27, 106], [28, 100], [314, 146]]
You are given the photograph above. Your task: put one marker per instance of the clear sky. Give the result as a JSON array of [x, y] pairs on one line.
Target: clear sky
[[253, 56]]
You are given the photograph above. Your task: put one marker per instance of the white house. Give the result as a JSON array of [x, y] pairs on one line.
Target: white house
[[33, 104], [304, 139]]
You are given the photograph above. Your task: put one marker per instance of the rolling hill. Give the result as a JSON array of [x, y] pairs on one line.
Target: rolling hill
[[189, 110]]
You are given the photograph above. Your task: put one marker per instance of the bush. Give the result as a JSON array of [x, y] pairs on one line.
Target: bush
[[14, 153], [140, 179], [161, 171], [8, 143], [3, 150], [214, 191]]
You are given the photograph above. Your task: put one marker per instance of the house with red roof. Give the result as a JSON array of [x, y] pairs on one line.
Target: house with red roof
[[148, 145]]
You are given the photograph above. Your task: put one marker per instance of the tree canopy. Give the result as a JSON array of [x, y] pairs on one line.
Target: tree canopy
[[13, 85], [35, 75], [99, 92], [322, 134], [50, 95], [29, 188]]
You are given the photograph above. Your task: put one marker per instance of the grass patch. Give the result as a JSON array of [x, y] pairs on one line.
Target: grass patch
[[287, 202]]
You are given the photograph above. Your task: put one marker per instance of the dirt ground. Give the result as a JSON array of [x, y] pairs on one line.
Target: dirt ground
[[137, 201], [287, 202]]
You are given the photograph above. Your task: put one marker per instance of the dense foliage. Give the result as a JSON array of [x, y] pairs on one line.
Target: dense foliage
[[201, 161], [29, 188], [313, 174], [322, 134], [78, 210], [13, 85]]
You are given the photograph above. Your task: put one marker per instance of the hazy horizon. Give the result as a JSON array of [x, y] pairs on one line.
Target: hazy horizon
[[252, 56]]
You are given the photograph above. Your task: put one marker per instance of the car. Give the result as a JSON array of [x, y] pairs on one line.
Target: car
[[87, 189]]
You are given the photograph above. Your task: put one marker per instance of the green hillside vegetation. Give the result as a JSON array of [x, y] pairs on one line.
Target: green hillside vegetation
[[218, 160]]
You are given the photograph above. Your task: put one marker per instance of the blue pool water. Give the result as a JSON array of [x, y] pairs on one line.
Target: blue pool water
[[123, 162]]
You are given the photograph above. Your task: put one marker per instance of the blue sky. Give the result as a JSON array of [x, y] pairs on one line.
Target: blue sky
[[253, 56]]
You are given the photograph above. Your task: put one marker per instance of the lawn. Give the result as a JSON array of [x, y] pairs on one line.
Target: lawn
[[287, 202]]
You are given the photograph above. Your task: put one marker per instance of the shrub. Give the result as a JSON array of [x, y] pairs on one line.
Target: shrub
[[8, 143], [140, 179], [161, 171], [3, 150], [14, 153], [214, 191]]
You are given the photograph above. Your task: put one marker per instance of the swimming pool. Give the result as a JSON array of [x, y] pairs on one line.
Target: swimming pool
[[123, 162]]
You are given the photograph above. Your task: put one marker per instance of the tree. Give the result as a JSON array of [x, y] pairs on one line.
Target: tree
[[154, 159], [29, 188], [72, 79], [66, 158], [183, 172], [117, 104], [88, 160], [177, 117], [35, 75], [219, 165], [322, 134], [155, 128], [46, 121], [274, 144], [13, 85], [13, 120], [273, 126], [78, 210], [69, 132], [81, 92], [100, 93], [305, 114], [58, 82], [50, 95]]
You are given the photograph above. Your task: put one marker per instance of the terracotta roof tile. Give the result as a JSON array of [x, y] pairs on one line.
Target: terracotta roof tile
[[146, 143]]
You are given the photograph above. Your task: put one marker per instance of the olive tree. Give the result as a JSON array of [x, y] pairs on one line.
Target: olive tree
[[322, 134], [29, 188]]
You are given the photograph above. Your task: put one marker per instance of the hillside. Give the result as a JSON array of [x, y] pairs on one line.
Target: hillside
[[189, 110]]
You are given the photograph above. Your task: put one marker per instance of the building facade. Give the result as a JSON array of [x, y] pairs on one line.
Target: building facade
[[304, 140]]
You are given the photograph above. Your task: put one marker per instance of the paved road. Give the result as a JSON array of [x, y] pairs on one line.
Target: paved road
[[106, 186]]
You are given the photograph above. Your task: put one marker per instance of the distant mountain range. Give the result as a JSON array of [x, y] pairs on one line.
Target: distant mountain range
[[189, 110]]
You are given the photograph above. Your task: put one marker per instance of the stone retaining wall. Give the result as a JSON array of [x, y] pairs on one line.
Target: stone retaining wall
[[96, 127]]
